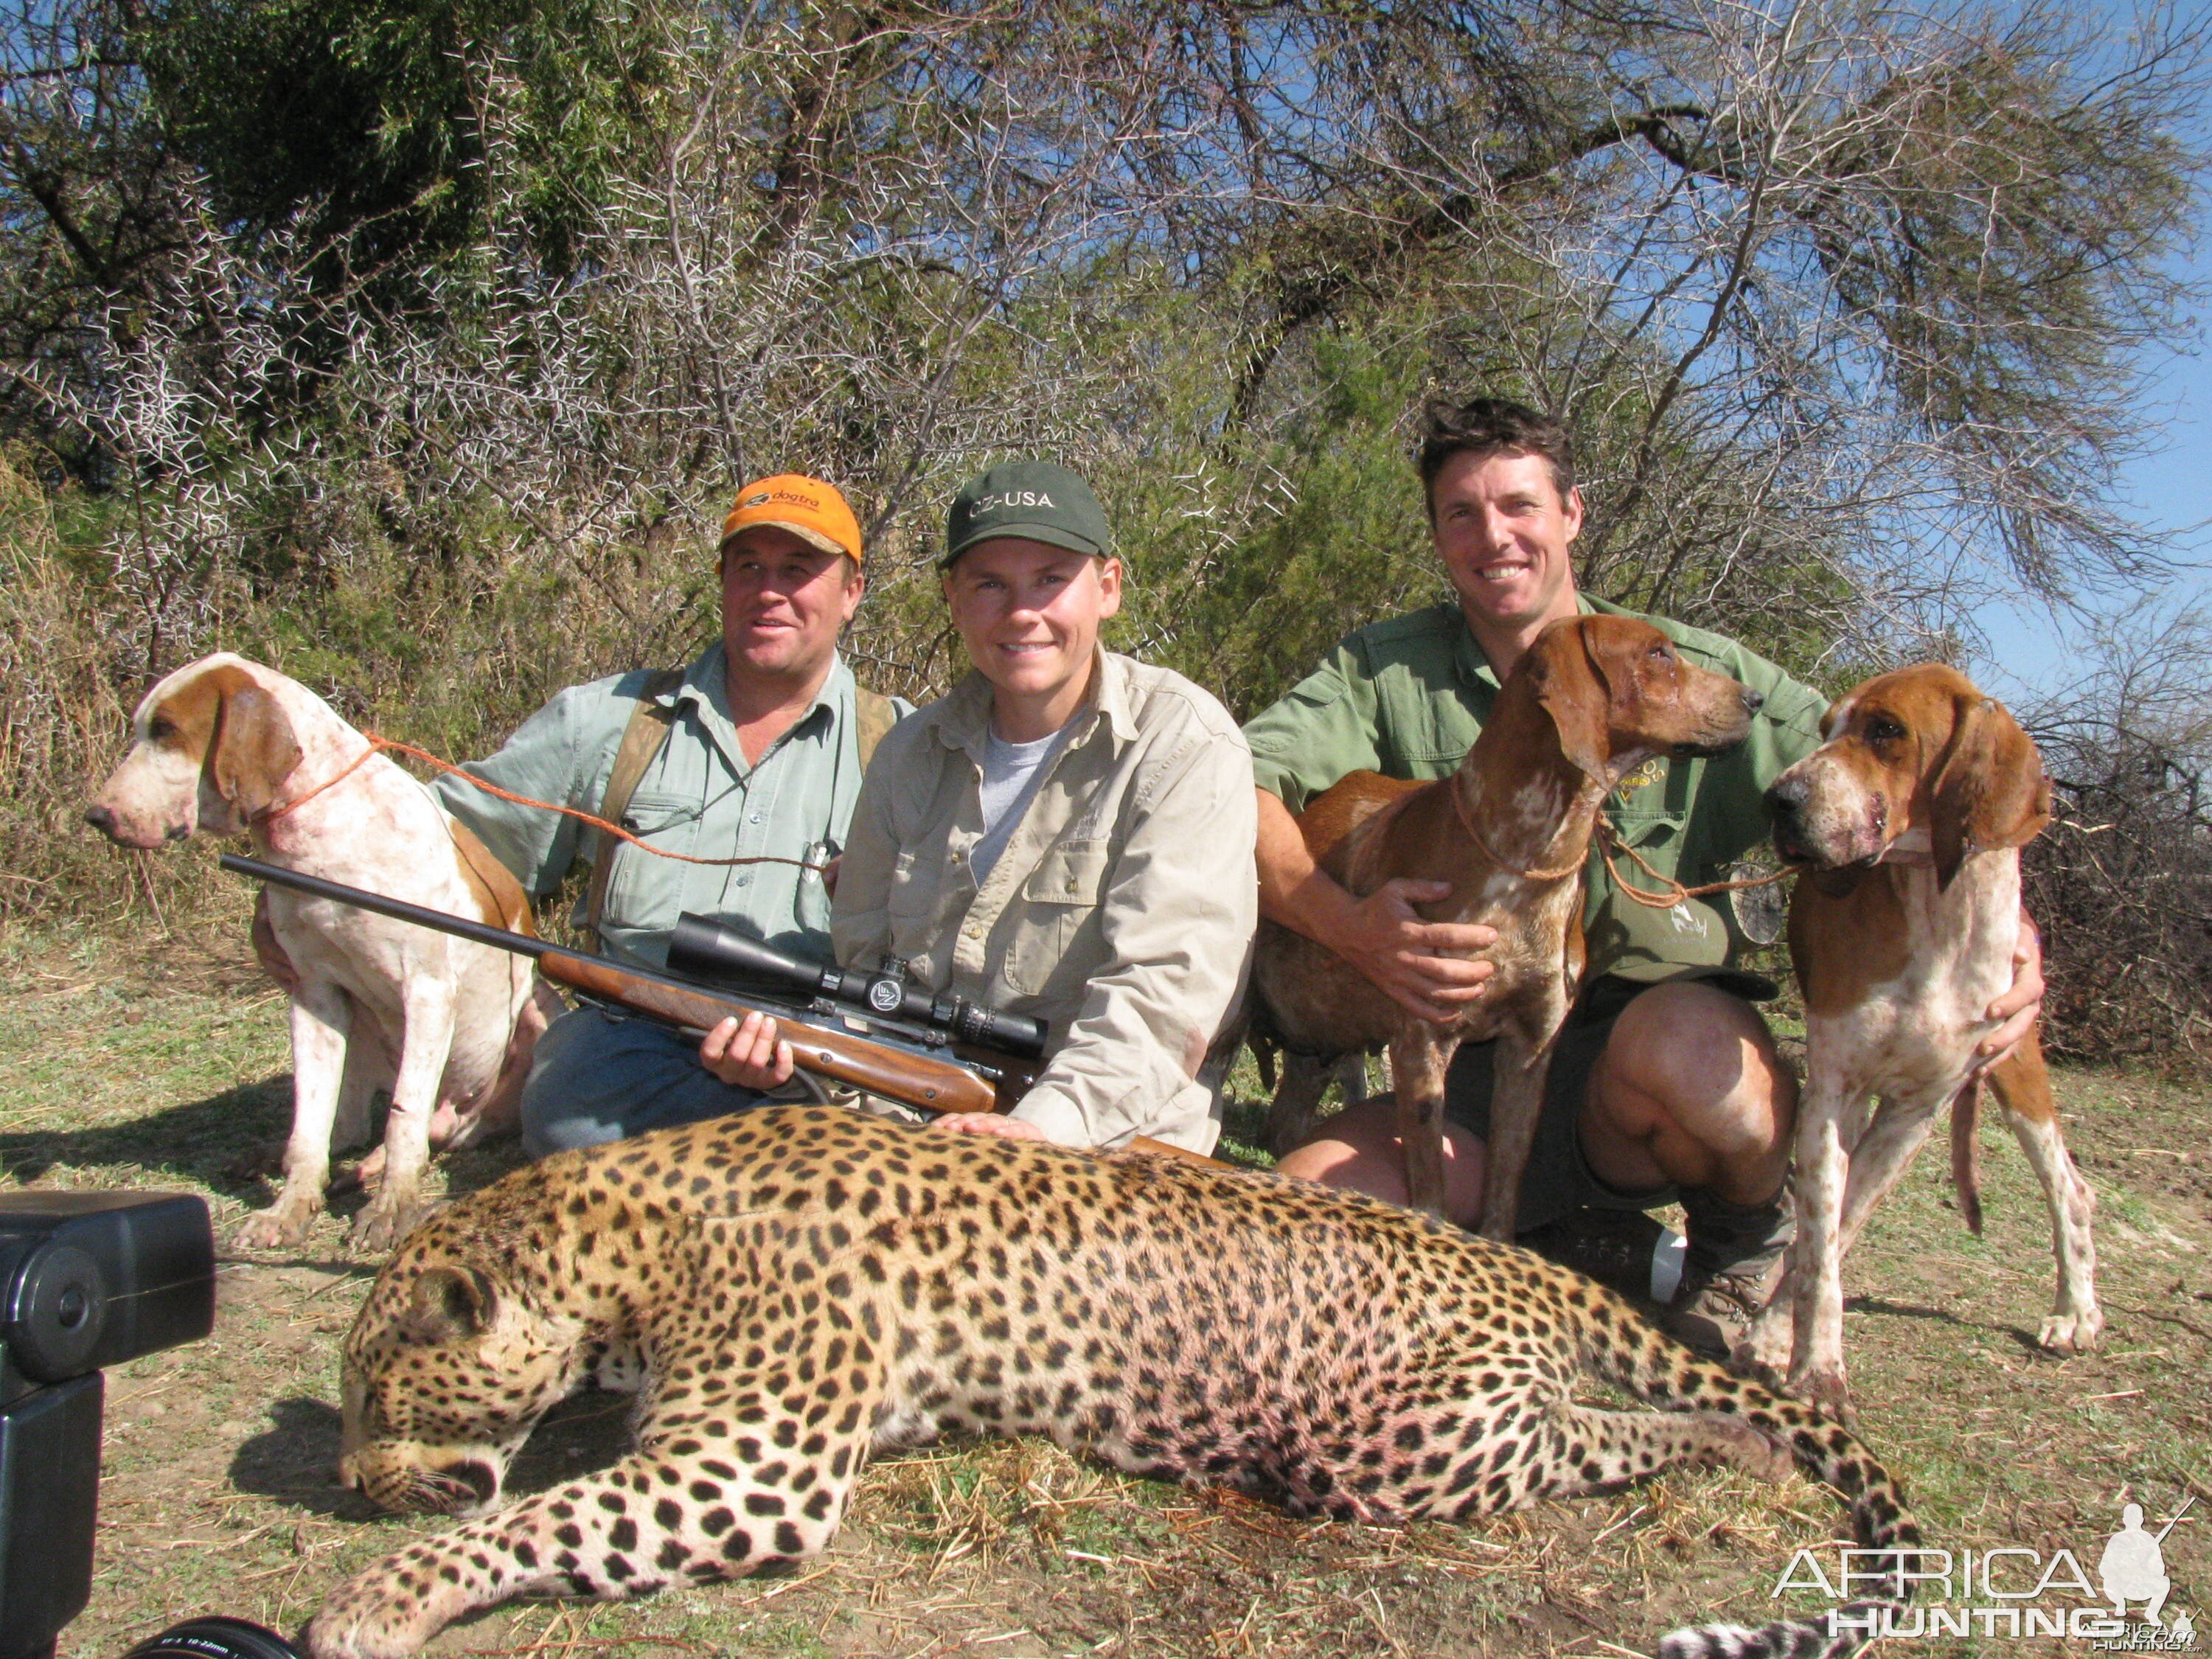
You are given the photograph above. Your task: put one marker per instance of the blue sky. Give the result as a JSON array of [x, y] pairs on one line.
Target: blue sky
[[2030, 651]]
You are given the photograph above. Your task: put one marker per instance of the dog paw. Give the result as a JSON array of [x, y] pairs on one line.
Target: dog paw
[[379, 1229], [277, 1228], [1825, 1386], [1763, 1352], [2067, 1332]]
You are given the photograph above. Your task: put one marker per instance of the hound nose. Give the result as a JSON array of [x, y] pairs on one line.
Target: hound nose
[[1788, 795], [101, 818], [1752, 701]]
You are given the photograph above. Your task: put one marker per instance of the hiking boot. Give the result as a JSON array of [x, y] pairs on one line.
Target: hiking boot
[[1730, 1268]]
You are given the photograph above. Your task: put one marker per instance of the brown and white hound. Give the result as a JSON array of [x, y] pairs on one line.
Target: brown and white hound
[[230, 747], [1593, 698], [1909, 820]]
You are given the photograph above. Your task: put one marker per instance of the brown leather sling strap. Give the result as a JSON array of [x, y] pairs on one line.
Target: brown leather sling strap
[[873, 715]]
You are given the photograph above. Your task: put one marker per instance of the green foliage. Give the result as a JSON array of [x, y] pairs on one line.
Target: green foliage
[[373, 130], [1338, 540]]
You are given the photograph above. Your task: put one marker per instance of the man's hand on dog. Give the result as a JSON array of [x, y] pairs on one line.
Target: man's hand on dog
[[2018, 1007], [1423, 964]]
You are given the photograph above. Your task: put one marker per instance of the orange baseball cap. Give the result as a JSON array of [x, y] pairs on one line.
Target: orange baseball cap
[[810, 509]]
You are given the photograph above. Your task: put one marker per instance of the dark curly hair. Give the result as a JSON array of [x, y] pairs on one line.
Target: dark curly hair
[[1490, 426]]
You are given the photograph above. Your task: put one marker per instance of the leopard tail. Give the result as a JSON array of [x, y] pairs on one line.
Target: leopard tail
[[1623, 1349]]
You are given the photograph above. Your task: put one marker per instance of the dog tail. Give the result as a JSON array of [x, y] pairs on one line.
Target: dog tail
[[1966, 1164], [1628, 1352]]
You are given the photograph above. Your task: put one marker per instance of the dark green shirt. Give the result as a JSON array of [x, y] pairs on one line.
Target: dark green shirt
[[1406, 697]]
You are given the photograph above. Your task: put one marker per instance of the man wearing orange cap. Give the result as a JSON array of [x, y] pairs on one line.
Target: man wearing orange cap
[[755, 750]]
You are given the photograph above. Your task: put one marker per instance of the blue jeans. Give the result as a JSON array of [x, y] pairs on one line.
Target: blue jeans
[[596, 1076]]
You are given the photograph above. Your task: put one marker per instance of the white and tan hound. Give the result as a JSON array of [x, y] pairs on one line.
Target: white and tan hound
[[230, 747], [1909, 820]]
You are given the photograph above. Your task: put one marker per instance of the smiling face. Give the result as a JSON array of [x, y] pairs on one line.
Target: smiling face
[[784, 603], [1030, 614], [1503, 530]]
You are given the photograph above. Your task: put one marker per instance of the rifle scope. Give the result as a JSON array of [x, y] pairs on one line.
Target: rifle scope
[[708, 950]]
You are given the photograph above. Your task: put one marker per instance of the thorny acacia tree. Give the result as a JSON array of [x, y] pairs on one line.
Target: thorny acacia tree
[[435, 401], [2121, 880]]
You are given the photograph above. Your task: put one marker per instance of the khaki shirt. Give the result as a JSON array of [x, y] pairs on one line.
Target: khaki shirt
[[1407, 697], [1122, 912], [698, 796]]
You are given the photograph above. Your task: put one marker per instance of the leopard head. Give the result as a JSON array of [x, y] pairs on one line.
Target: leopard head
[[446, 1370]]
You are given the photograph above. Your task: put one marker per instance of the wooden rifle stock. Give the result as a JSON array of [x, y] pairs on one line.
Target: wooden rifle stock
[[819, 1043], [816, 1045]]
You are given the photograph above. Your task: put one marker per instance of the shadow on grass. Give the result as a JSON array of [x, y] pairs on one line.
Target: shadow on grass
[[2023, 1338], [296, 1462], [203, 1141], [231, 1142]]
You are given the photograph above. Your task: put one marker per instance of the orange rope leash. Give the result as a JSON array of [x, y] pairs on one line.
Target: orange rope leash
[[1609, 840], [377, 744]]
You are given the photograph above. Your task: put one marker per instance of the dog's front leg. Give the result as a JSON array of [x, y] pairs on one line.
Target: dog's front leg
[[1816, 1283], [400, 1203], [1519, 1063], [1297, 1100], [322, 1015], [1892, 1141], [1420, 1055]]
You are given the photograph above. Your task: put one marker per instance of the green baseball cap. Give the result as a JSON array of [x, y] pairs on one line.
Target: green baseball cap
[[1041, 501]]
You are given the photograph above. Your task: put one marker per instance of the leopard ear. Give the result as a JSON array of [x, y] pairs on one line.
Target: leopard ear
[[448, 1305]]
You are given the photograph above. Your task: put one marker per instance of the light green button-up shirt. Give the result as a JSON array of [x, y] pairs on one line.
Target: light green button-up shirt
[[699, 796], [1407, 697]]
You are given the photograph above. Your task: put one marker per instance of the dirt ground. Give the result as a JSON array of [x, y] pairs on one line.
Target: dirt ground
[[218, 1493]]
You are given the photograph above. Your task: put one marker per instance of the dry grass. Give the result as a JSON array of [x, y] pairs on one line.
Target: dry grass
[[216, 1494]]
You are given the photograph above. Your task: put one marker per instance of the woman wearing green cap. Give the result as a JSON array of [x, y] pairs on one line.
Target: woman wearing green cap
[[1067, 834]]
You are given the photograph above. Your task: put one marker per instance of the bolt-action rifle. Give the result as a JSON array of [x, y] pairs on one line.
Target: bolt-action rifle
[[875, 1032]]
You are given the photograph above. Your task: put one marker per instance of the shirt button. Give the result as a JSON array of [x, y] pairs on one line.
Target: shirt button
[[756, 818]]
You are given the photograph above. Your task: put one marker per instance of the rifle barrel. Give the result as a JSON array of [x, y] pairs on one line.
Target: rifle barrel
[[360, 898]]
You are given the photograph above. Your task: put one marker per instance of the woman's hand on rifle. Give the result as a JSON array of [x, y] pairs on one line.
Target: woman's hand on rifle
[[747, 1053]]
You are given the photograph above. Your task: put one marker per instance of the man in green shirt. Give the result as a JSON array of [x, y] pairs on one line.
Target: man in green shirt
[[1667, 1085]]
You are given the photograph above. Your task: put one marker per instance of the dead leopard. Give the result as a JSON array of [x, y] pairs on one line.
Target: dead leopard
[[806, 1286]]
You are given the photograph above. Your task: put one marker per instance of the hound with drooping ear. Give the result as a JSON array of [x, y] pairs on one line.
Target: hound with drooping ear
[[1590, 700], [230, 747], [1909, 821]]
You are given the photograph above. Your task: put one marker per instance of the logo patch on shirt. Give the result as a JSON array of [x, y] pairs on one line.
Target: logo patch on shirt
[[1649, 773]]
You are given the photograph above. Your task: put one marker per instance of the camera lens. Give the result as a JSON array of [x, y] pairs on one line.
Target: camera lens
[[214, 1638]]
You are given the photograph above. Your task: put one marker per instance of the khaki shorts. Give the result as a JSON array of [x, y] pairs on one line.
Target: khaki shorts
[[1558, 1179]]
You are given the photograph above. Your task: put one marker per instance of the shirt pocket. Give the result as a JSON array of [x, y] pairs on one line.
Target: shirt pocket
[[644, 892], [1059, 915]]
